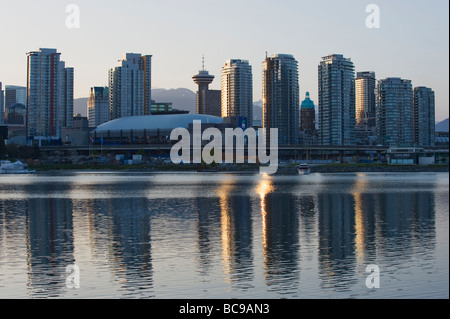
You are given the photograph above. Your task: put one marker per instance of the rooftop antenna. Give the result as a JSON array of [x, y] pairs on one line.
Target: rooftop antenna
[[203, 62]]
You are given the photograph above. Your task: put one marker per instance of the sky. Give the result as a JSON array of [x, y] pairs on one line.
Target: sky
[[412, 41]]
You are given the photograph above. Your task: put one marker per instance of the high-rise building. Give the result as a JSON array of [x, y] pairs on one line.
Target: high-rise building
[[365, 92], [208, 101], [336, 101], [16, 114], [2, 105], [130, 86], [66, 98], [424, 116], [49, 94], [15, 104], [308, 132], [14, 95], [98, 106], [308, 115], [395, 112], [237, 90], [281, 101]]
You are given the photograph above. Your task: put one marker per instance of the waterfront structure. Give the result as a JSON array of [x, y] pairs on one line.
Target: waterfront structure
[[237, 90], [208, 101], [336, 101], [281, 98], [130, 86], [2, 106], [395, 112], [49, 95], [424, 116], [98, 106]]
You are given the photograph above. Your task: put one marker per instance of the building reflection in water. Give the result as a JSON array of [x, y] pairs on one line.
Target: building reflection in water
[[130, 242], [50, 243], [358, 191], [208, 226], [49, 226], [280, 238], [236, 235], [116, 230], [365, 227], [336, 240], [407, 227]]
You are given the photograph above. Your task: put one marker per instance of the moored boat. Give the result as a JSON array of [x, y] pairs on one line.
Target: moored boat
[[6, 167], [304, 169]]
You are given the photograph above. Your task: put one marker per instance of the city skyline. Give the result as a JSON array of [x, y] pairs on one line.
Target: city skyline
[[390, 51]]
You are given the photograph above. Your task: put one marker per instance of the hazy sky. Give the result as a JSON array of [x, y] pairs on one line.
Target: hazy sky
[[411, 43]]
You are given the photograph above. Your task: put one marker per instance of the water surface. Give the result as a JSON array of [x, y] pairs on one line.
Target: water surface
[[191, 235]]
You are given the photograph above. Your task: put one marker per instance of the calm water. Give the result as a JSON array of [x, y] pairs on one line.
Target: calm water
[[224, 236]]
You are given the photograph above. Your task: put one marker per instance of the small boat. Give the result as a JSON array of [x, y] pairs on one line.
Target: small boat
[[6, 167], [304, 169]]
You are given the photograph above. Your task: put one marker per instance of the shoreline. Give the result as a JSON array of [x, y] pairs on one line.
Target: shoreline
[[243, 169]]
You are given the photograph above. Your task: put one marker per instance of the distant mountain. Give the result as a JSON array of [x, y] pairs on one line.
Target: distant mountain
[[182, 99], [442, 126], [80, 106]]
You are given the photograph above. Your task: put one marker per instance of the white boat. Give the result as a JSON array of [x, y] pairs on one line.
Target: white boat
[[304, 169], [6, 167]]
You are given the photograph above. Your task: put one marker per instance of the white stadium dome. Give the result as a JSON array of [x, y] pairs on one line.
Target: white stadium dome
[[155, 122]]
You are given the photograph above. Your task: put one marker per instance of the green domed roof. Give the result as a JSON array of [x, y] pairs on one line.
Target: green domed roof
[[307, 103]]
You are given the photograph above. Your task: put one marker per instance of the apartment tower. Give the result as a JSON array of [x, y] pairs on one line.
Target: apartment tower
[[130, 86], [49, 99], [237, 90], [336, 101], [281, 100]]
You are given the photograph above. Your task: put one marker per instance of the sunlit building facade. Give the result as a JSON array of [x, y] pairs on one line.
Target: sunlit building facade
[[424, 116], [130, 86], [237, 90], [281, 102], [98, 106], [336, 101], [49, 94], [365, 92]]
